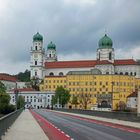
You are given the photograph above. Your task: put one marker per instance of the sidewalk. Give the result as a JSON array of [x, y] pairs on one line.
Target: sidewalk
[[25, 128], [114, 121]]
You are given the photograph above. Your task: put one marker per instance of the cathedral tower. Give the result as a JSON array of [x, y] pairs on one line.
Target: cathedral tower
[[51, 52], [37, 57], [105, 50]]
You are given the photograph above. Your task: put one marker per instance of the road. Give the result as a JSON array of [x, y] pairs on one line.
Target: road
[[84, 130]]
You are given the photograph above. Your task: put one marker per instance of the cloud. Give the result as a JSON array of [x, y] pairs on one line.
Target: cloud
[[74, 26]]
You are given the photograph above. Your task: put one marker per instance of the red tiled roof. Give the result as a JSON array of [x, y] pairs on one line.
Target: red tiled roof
[[70, 64], [134, 94], [86, 63], [103, 62], [125, 62], [7, 77]]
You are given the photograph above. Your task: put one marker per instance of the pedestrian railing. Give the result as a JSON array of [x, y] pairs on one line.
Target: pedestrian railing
[[126, 116], [7, 121]]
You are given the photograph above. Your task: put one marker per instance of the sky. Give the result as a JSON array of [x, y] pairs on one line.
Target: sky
[[75, 26]]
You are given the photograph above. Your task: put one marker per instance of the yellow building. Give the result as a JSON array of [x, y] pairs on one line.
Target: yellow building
[[94, 87], [50, 83]]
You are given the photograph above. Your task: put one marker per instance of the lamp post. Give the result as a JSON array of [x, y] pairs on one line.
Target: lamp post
[[138, 104], [112, 85], [16, 95]]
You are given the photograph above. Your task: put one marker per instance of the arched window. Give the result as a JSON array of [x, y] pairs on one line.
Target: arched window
[[135, 73], [35, 73], [35, 62], [131, 73], [49, 55], [61, 74], [126, 73], [116, 73], [107, 72], [51, 74], [110, 56], [121, 73], [99, 55], [36, 48]]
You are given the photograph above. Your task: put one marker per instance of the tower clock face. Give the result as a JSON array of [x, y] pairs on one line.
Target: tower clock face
[[35, 55]]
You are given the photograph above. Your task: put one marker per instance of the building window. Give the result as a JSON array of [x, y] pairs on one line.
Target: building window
[[51, 74], [135, 73], [121, 73], [107, 72], [35, 62], [110, 56], [126, 73], [35, 73], [36, 48], [61, 74], [49, 55]]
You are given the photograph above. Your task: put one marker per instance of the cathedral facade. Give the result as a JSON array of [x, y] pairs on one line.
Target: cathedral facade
[[45, 62]]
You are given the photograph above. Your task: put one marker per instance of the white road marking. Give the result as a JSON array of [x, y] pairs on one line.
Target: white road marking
[[68, 136]]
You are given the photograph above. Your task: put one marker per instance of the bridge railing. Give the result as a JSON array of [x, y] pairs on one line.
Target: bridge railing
[[7, 121], [127, 116]]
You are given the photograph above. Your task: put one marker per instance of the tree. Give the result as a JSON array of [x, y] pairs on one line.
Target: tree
[[35, 83], [74, 101], [53, 101], [20, 102], [23, 76], [62, 96], [84, 99], [4, 97], [5, 107], [2, 88], [121, 105]]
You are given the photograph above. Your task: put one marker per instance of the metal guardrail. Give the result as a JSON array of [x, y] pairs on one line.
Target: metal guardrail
[[7, 121], [127, 116]]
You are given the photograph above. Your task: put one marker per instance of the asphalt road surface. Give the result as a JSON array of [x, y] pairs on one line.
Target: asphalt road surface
[[84, 130]]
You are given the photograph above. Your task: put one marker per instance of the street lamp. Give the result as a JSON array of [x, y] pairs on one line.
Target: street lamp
[[16, 95], [112, 85]]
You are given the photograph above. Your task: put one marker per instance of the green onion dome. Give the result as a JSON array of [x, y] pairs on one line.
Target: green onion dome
[[37, 37], [51, 46], [105, 42]]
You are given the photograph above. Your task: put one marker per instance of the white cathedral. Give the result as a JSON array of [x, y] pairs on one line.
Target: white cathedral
[[45, 62]]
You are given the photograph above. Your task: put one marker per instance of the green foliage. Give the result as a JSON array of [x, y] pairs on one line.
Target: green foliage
[[4, 97], [62, 96], [20, 102], [35, 83], [74, 101], [2, 88], [5, 108], [23, 76]]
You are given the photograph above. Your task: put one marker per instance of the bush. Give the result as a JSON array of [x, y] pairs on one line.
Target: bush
[[5, 109]]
